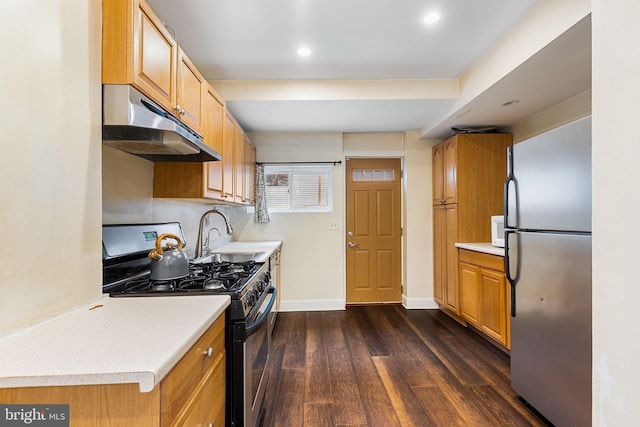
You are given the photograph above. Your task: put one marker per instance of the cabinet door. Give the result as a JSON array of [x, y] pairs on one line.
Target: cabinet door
[[154, 57], [450, 170], [213, 137], [191, 87], [439, 253], [493, 301], [438, 174], [228, 158], [206, 407], [470, 284], [239, 165], [452, 294], [249, 172]]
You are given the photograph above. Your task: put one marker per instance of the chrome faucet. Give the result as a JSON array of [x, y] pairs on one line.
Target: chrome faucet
[[199, 243]]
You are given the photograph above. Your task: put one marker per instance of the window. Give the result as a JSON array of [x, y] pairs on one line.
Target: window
[[298, 188]]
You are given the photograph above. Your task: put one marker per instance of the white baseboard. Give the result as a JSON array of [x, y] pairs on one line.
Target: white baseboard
[[313, 305], [419, 303]]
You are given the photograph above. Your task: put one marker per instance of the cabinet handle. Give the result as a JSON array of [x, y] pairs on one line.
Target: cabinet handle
[[208, 352], [210, 425], [177, 109]]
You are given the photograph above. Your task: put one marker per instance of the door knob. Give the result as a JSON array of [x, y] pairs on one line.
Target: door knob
[[350, 233], [353, 245]]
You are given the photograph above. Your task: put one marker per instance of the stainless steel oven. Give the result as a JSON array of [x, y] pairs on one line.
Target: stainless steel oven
[[252, 349]]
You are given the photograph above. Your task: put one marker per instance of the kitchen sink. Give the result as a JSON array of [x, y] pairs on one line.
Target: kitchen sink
[[229, 257]]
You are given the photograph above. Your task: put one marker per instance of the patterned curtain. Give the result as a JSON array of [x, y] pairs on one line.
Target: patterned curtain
[[261, 210]]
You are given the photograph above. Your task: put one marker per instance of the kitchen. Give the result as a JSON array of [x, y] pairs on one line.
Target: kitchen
[[58, 198]]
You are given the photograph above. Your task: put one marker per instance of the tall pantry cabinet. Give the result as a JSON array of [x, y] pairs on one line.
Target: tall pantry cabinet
[[469, 171]]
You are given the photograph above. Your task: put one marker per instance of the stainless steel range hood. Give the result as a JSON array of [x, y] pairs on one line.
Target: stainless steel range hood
[[133, 123]]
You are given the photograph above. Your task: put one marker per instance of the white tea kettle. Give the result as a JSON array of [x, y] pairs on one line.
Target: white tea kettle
[[171, 263]]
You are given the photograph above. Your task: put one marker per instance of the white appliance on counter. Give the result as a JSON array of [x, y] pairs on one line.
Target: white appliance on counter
[[548, 265], [497, 230]]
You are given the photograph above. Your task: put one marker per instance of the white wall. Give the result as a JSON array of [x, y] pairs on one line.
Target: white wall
[[616, 203], [127, 194], [50, 198], [418, 236], [312, 272]]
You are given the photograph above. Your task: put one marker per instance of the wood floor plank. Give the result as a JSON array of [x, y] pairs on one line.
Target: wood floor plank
[[318, 415], [317, 388], [344, 386], [292, 329], [440, 409], [405, 404]]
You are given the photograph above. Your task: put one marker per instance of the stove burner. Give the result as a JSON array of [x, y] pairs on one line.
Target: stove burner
[[161, 285], [213, 284]]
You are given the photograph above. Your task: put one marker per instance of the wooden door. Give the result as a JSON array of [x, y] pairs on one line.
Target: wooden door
[[494, 301], [239, 161], [373, 231]]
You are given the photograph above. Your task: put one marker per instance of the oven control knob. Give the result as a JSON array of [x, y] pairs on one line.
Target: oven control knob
[[252, 300], [267, 277]]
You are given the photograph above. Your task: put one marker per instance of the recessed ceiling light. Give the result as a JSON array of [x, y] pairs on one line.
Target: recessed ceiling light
[[431, 18], [304, 51]]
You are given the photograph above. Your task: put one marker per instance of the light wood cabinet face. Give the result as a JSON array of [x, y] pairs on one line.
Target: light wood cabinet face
[[213, 137], [249, 172], [228, 158], [452, 294], [439, 251], [190, 93], [154, 57], [450, 162], [484, 294], [438, 174], [469, 292], [239, 165]]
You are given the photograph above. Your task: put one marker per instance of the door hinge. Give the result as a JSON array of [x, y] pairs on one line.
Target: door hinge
[[401, 231]]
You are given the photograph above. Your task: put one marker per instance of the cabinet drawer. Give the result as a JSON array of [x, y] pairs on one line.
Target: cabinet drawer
[[207, 405], [493, 262], [180, 383]]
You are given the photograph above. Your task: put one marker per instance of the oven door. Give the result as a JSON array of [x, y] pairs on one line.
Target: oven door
[[256, 359]]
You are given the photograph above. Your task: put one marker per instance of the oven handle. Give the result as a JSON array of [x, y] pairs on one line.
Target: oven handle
[[251, 328]]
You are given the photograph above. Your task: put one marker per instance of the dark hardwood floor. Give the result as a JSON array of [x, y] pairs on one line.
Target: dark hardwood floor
[[387, 366]]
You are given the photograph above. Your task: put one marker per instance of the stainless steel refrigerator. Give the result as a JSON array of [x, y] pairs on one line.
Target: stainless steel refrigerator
[[548, 265]]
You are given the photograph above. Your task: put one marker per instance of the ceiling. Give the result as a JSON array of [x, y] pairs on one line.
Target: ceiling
[[359, 41]]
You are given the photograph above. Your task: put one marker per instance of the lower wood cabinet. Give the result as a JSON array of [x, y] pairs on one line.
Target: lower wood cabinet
[[484, 294], [191, 394]]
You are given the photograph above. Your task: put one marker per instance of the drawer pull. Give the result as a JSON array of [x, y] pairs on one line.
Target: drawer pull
[[208, 352]]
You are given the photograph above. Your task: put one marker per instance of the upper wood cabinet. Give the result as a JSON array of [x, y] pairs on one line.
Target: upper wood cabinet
[[215, 113], [229, 157], [137, 49], [191, 92], [249, 171], [239, 165]]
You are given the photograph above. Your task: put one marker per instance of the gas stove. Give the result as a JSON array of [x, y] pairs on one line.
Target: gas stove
[[126, 270]]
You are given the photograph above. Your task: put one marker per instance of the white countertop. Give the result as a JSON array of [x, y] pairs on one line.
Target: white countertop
[[111, 341], [486, 248], [266, 246]]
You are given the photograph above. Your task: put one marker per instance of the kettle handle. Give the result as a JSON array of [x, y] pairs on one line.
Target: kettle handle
[[155, 252]]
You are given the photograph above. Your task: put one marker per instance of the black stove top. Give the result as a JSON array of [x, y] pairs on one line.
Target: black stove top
[[208, 278]]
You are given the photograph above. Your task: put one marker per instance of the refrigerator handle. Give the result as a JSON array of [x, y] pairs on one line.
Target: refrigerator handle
[[507, 271], [510, 178]]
